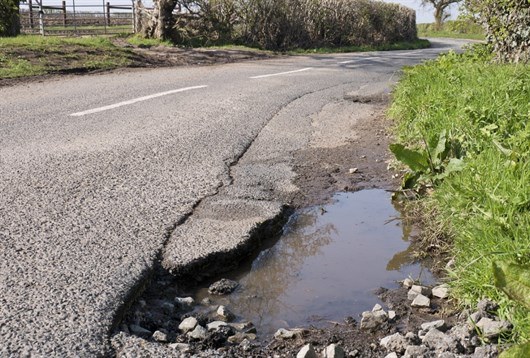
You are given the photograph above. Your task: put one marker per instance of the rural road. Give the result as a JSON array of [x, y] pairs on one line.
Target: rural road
[[98, 172]]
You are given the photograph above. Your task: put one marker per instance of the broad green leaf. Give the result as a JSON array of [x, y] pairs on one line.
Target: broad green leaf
[[441, 146], [455, 165], [415, 160], [514, 280], [519, 351]]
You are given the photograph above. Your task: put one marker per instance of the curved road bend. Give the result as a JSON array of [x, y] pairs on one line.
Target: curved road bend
[[95, 170]]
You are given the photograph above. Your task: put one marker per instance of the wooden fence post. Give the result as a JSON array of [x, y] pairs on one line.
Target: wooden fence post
[[64, 13], [41, 21], [30, 3], [108, 14]]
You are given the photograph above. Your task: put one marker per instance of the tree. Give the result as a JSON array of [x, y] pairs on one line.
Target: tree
[[9, 17], [440, 7], [158, 22]]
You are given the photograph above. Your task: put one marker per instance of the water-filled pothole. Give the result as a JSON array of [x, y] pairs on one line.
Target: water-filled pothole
[[326, 265]]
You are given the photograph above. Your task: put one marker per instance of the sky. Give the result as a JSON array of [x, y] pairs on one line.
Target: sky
[[423, 13]]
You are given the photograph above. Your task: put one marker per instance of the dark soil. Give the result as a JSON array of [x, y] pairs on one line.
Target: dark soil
[[324, 172]]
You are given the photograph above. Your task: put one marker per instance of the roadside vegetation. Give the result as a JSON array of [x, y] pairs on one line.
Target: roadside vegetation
[[279, 24], [462, 130], [37, 55], [458, 29], [462, 127]]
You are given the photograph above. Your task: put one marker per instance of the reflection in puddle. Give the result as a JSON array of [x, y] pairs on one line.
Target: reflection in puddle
[[327, 264]]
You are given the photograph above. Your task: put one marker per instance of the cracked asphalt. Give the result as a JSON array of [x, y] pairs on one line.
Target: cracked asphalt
[[88, 202]]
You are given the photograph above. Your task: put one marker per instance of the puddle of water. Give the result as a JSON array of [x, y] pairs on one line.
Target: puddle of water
[[326, 265]]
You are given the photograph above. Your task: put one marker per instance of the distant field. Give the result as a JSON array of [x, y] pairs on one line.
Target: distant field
[[459, 29]]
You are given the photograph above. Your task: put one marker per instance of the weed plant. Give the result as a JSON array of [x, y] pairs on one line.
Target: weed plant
[[486, 206]]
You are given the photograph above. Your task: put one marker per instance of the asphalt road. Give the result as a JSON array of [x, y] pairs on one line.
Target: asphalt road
[[96, 172]]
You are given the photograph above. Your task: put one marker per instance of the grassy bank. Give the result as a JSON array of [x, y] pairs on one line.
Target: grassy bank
[[465, 108], [403, 45], [24, 56], [458, 29]]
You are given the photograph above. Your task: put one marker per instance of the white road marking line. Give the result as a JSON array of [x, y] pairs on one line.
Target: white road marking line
[[357, 59], [135, 100], [283, 73]]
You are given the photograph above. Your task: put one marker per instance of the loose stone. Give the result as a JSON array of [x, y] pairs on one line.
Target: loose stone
[[391, 355], [181, 347], [215, 325], [395, 343], [283, 333], [490, 351], [160, 336], [492, 329], [240, 337], [465, 335], [354, 353], [188, 324], [411, 295], [225, 314], [408, 282], [391, 315], [441, 342], [185, 303], [439, 325], [199, 333], [412, 338], [441, 291], [334, 351], [487, 307], [416, 351], [246, 345], [421, 301], [377, 307], [426, 291], [475, 317], [353, 170], [223, 287], [373, 320], [307, 351]]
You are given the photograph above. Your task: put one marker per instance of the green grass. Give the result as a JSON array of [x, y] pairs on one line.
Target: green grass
[[458, 29], [24, 56], [486, 207], [407, 45]]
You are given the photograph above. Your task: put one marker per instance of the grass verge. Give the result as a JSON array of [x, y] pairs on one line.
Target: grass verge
[[406, 45], [24, 56], [484, 111], [458, 29]]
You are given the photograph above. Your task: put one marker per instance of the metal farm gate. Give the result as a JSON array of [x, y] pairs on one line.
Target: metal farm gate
[[81, 17]]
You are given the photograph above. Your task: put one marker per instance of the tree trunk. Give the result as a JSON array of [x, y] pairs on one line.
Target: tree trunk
[[157, 22], [438, 17]]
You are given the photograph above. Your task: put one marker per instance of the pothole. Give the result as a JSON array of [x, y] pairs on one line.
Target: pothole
[[327, 265]]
